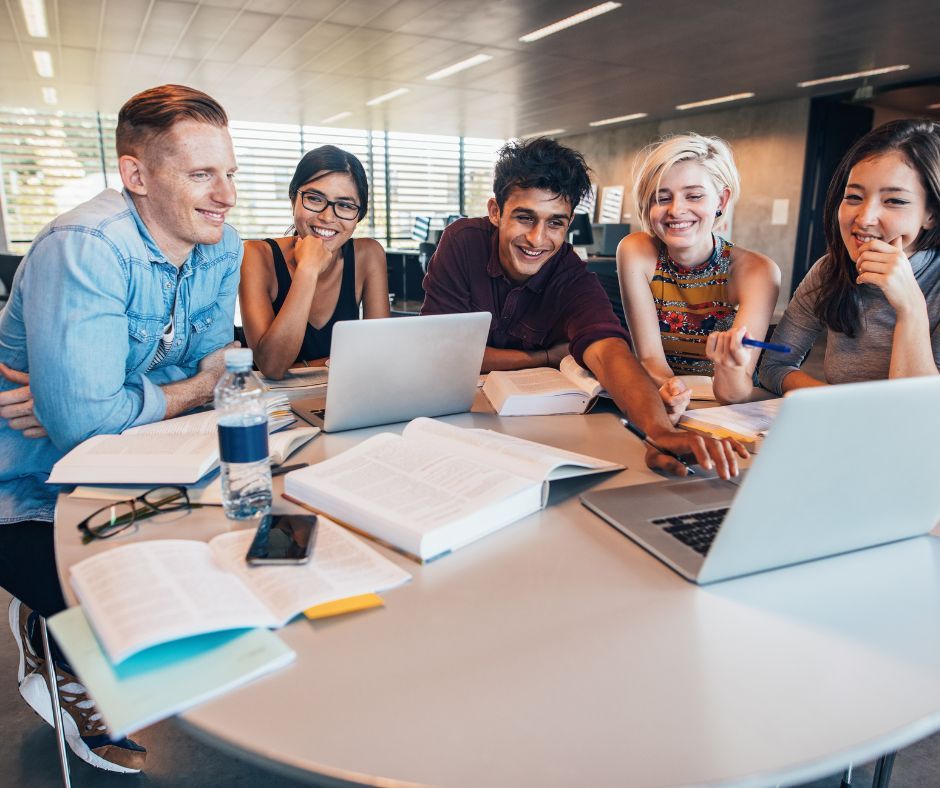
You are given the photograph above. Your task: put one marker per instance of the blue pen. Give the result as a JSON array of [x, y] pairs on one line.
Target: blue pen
[[650, 442], [766, 345]]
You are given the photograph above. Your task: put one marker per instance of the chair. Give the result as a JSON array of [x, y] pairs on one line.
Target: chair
[[8, 265], [425, 250]]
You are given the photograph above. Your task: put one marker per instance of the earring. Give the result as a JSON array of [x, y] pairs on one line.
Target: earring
[[718, 213]]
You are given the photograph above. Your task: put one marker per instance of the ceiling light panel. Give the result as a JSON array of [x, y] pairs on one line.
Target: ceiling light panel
[[569, 21], [386, 97], [618, 119], [43, 61], [34, 12], [336, 117], [719, 100], [854, 75], [463, 65]]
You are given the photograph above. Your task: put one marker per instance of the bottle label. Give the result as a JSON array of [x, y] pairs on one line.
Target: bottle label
[[243, 443]]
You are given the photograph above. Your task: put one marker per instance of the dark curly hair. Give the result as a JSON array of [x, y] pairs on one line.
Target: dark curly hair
[[541, 163], [918, 141]]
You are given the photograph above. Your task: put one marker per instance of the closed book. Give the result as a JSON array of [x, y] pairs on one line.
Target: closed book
[[168, 678]]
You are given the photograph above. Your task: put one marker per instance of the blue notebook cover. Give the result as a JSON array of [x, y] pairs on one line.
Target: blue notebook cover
[[166, 679]]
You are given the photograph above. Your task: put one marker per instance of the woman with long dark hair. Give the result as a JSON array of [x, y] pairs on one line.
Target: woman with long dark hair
[[294, 289], [876, 292]]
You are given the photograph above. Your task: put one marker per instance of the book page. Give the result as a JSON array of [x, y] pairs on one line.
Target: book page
[[282, 444], [302, 377], [533, 460], [748, 419], [138, 459], [581, 377], [341, 565], [146, 593], [204, 422], [416, 485], [700, 386], [539, 381]]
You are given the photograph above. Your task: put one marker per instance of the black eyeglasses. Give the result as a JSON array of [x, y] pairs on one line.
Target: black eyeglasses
[[317, 203], [118, 516]]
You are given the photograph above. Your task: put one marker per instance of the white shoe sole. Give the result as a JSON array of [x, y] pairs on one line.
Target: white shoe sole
[[35, 692]]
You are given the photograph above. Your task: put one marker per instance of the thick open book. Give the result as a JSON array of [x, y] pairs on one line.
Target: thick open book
[[747, 422], [544, 391], [142, 594], [435, 487], [175, 451]]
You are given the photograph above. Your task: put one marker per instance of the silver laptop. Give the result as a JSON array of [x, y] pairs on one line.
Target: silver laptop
[[843, 468], [399, 368]]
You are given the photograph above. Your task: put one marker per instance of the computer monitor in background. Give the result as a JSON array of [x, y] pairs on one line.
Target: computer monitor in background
[[606, 238], [579, 231], [451, 218]]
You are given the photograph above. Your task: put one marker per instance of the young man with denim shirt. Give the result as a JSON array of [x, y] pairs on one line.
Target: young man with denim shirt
[[118, 316], [516, 264]]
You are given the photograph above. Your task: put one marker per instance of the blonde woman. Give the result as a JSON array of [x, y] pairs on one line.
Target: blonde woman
[[691, 296]]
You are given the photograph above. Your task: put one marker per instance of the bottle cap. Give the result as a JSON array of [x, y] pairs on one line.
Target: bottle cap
[[238, 358]]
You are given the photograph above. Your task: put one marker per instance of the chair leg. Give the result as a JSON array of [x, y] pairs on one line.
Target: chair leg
[[883, 767], [56, 708], [846, 777]]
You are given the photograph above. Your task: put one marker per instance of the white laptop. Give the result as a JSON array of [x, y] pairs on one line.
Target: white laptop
[[398, 368], [842, 468]]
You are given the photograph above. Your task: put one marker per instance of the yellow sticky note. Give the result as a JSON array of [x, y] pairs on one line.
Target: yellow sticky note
[[348, 605]]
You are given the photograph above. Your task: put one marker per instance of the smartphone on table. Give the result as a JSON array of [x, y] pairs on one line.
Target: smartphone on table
[[283, 539]]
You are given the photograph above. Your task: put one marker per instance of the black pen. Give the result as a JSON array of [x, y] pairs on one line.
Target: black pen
[[282, 469], [650, 442]]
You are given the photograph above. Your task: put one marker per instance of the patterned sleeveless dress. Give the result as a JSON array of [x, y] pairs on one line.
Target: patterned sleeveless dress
[[691, 303]]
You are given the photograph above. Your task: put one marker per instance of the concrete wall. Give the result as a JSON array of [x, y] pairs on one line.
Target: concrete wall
[[769, 144]]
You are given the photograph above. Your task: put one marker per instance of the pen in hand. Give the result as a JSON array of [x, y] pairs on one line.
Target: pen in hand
[[747, 341], [652, 444]]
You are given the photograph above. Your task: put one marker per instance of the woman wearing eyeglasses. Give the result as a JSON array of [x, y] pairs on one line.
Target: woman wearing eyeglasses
[[293, 290]]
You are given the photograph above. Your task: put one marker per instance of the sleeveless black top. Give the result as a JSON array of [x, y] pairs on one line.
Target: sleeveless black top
[[317, 341]]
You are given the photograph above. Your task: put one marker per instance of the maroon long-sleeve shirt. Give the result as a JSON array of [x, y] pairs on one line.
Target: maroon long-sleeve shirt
[[563, 302]]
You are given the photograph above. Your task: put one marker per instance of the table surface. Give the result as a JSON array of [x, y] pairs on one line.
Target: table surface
[[557, 652]]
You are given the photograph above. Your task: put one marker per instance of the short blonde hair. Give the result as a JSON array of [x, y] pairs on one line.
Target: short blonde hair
[[713, 153]]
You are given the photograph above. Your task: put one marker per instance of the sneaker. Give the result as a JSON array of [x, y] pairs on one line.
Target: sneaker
[[23, 625], [84, 729]]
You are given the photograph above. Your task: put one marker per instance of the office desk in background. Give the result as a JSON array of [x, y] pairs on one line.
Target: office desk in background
[[557, 653]]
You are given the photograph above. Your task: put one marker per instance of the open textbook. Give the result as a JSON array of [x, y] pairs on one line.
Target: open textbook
[[436, 487], [747, 422], [145, 593], [544, 391], [175, 451]]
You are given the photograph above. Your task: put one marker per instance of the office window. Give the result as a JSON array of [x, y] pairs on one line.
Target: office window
[[479, 161], [52, 161], [49, 163]]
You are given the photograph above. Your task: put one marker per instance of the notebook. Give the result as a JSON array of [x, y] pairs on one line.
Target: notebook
[[399, 368], [843, 468]]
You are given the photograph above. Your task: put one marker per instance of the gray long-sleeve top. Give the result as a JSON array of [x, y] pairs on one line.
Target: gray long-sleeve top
[[867, 356]]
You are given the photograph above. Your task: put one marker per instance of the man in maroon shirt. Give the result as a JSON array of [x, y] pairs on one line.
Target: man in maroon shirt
[[516, 264]]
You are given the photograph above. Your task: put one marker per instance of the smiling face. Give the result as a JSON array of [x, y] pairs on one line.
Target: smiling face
[[183, 185], [682, 213], [532, 226], [884, 199], [335, 187]]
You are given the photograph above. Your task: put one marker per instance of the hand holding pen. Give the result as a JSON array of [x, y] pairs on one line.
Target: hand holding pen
[[653, 445], [678, 445]]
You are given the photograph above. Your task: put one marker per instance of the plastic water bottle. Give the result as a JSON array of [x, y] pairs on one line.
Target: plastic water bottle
[[243, 439]]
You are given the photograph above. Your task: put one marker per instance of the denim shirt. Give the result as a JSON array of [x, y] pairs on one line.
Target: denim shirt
[[85, 319]]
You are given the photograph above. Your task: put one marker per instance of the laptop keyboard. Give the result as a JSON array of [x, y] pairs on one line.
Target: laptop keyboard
[[697, 529]]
